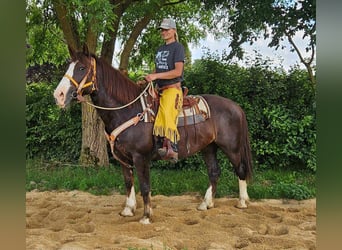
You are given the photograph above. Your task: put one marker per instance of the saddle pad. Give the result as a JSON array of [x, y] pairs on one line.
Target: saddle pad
[[194, 114], [199, 111]]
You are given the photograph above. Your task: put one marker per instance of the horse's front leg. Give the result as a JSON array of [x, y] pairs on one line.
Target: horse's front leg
[[131, 203], [214, 172], [143, 171]]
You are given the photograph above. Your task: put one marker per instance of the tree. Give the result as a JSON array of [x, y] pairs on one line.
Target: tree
[[72, 18], [248, 20]]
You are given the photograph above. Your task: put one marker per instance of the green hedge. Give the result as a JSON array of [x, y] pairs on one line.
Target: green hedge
[[280, 109], [51, 133]]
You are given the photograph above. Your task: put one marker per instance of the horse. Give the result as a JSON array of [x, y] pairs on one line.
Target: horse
[[114, 96]]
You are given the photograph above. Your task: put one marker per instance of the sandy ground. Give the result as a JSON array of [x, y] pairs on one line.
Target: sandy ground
[[78, 220]]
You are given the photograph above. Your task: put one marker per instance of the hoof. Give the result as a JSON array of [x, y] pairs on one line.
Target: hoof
[[145, 221], [127, 212], [204, 206], [241, 204]]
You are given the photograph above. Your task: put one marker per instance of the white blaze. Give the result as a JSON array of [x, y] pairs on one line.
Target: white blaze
[[63, 86]]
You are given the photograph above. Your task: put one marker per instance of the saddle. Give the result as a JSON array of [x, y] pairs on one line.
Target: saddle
[[195, 108]]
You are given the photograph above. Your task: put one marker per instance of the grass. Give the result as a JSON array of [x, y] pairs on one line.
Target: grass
[[275, 184]]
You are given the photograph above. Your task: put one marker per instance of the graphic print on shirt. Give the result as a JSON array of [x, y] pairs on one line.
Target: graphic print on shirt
[[161, 60]]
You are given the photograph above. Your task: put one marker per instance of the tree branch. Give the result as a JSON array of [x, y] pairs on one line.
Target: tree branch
[[306, 64], [173, 3], [132, 39], [67, 24]]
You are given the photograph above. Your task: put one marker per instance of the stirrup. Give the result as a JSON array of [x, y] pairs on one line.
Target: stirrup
[[172, 156], [162, 152], [168, 151], [168, 154]]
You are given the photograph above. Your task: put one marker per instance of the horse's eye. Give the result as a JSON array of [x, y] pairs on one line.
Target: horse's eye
[[82, 68]]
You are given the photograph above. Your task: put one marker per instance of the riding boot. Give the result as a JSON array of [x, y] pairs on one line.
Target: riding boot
[[162, 148], [173, 153], [158, 142], [169, 151]]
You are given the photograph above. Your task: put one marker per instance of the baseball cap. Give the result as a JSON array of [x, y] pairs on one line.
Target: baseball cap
[[167, 23]]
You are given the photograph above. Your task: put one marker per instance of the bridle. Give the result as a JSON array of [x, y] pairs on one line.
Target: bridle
[[83, 85]]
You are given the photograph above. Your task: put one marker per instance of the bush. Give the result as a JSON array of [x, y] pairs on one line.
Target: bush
[[280, 108], [295, 140], [51, 133]]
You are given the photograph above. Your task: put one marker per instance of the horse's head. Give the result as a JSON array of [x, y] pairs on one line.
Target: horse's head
[[79, 79]]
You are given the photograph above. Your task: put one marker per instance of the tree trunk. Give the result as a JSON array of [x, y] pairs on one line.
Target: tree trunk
[[108, 45], [94, 144]]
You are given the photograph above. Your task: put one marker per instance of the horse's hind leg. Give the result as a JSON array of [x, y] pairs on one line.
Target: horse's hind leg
[[242, 194], [131, 202], [241, 172], [209, 156]]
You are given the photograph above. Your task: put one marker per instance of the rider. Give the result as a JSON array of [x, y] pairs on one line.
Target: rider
[[168, 76]]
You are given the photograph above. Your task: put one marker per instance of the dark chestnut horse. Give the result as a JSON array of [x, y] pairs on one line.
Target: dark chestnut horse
[[114, 97]]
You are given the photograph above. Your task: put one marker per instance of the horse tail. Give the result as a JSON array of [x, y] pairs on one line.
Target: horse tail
[[245, 150]]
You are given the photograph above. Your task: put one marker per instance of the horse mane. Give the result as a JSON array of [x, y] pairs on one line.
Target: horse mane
[[115, 83]]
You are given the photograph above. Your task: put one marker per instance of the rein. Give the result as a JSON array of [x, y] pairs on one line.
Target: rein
[[124, 106]]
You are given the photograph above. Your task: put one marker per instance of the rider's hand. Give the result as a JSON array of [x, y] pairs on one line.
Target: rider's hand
[[151, 77], [141, 82]]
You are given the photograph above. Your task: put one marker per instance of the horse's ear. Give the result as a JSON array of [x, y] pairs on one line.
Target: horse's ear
[[72, 53], [85, 50]]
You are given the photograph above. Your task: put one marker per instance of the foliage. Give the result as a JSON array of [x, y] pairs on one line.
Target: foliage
[[192, 22], [280, 20], [43, 37], [295, 140], [51, 133], [285, 184], [280, 108], [45, 72]]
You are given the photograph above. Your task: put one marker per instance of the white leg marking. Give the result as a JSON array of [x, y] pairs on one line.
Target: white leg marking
[[145, 221], [131, 204], [243, 194], [148, 209], [63, 86], [208, 200]]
